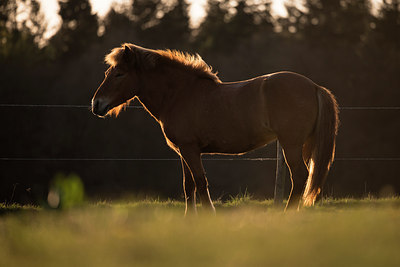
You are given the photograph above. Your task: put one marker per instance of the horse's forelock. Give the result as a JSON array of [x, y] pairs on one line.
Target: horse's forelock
[[114, 57]]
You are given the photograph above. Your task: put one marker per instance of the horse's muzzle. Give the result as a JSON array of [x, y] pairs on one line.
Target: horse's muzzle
[[100, 107]]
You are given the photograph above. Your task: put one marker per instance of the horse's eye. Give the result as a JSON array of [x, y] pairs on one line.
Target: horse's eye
[[119, 75]]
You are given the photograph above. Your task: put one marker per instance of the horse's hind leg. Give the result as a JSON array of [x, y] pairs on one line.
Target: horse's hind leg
[[298, 173], [192, 158], [189, 189], [307, 151]]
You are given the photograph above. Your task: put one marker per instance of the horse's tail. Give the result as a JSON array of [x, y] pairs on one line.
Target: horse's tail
[[323, 144]]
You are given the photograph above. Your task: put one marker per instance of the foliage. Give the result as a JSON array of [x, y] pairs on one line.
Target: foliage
[[66, 191], [387, 24], [19, 40], [333, 22], [174, 25], [78, 29]]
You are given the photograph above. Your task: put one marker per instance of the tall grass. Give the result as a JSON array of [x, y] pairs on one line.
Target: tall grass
[[245, 232]]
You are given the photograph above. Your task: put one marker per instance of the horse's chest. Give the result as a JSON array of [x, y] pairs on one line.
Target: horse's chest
[[171, 136]]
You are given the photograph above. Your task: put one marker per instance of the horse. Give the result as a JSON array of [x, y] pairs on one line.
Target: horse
[[199, 114]]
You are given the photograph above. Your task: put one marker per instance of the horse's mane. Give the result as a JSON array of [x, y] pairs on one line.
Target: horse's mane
[[192, 63]]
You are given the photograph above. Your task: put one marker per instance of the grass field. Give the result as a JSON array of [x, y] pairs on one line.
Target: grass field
[[244, 232]]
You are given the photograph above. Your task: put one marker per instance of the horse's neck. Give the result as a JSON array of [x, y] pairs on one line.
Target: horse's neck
[[152, 103], [157, 91], [161, 89]]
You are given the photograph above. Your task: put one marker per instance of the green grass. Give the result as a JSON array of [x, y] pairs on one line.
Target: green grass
[[245, 232]]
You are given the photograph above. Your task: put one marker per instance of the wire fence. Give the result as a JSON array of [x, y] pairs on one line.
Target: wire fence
[[88, 107], [178, 159], [140, 107]]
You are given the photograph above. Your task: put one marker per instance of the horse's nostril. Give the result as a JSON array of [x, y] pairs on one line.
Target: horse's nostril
[[95, 106]]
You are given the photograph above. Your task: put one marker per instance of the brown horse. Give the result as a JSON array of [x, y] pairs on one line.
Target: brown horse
[[199, 114]]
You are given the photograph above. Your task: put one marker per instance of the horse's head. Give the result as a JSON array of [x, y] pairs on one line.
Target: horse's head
[[119, 85]]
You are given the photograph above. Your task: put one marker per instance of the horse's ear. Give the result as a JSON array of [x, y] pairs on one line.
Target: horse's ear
[[128, 55], [139, 57]]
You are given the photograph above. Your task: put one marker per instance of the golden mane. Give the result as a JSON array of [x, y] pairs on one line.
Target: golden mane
[[190, 62], [193, 63]]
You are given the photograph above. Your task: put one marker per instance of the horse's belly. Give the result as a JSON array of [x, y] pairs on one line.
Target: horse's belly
[[238, 144]]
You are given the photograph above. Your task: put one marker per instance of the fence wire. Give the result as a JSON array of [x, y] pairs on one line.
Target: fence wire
[[177, 159], [88, 107], [140, 107]]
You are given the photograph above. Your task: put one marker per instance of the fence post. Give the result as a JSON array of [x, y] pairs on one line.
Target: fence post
[[280, 176]]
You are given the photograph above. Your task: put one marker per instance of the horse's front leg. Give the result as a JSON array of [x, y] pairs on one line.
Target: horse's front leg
[[192, 158], [189, 189]]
